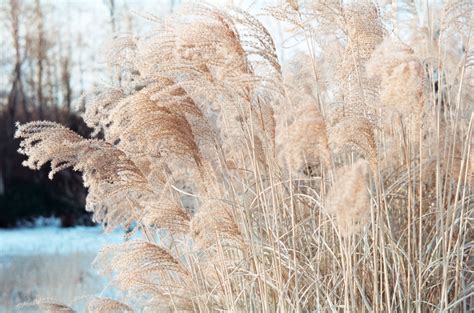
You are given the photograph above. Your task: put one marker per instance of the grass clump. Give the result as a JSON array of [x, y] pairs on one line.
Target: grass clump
[[343, 184]]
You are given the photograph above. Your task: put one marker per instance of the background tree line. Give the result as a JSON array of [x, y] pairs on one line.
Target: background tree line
[[47, 60]]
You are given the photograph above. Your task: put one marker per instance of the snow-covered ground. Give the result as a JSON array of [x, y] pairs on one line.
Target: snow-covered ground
[[46, 261], [55, 240]]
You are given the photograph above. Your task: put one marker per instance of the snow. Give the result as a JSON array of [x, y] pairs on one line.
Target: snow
[[54, 240]]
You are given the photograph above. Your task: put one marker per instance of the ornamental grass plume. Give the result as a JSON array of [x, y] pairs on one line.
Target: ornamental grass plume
[[348, 200], [107, 305], [355, 134], [304, 143], [46, 306], [141, 267], [215, 223], [402, 84]]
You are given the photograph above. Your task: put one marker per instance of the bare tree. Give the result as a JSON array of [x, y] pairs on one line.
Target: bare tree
[[112, 12], [16, 97], [40, 57], [66, 81]]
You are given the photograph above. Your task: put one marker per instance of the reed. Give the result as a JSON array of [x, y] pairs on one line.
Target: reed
[[341, 185]]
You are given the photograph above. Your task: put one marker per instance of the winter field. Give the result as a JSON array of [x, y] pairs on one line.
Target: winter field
[[51, 263]]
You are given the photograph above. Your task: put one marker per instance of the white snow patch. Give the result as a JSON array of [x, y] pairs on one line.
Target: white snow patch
[[54, 240]]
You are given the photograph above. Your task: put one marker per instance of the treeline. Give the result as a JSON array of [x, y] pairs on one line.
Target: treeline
[[48, 59], [37, 71]]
